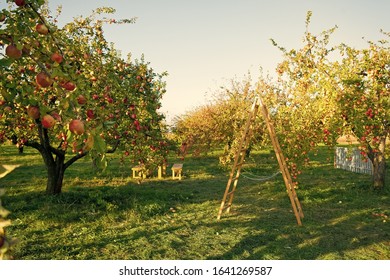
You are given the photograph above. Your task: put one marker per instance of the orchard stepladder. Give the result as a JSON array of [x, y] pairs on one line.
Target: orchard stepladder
[[239, 159]]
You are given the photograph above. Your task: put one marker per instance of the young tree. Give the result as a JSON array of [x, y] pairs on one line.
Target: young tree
[[67, 92]]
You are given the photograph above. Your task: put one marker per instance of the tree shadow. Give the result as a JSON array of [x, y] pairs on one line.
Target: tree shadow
[[171, 219]]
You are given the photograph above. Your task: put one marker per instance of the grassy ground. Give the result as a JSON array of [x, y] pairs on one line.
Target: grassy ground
[[110, 216]]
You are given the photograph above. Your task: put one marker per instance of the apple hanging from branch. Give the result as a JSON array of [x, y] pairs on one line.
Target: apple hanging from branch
[[43, 80], [13, 52], [56, 57], [41, 29], [48, 121], [20, 3], [76, 127], [33, 112]]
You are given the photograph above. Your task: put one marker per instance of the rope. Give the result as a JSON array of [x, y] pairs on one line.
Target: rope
[[258, 178]]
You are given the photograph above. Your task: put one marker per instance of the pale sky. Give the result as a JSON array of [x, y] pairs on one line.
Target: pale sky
[[202, 44]]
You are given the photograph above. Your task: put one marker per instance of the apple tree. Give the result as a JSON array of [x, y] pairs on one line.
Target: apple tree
[[325, 92], [68, 93], [194, 130], [219, 123], [364, 99]]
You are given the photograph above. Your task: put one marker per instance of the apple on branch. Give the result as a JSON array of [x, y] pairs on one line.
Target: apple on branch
[[48, 121], [41, 29], [33, 112], [43, 80], [56, 57], [76, 127], [68, 86], [20, 3], [13, 52], [90, 114], [81, 99]]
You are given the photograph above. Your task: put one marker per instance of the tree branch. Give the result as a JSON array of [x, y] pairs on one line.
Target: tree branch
[[44, 22], [113, 149], [57, 152], [74, 159], [34, 145]]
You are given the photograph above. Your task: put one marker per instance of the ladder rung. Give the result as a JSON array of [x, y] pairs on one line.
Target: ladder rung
[[226, 207], [230, 193]]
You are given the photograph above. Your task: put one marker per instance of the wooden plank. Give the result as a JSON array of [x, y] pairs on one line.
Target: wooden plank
[[177, 166]]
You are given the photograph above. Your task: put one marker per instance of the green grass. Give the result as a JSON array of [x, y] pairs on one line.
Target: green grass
[[111, 216]]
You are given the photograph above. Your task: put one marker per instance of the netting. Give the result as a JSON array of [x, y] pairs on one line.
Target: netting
[[254, 177]]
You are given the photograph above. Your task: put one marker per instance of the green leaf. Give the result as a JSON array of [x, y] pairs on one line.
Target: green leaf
[[5, 62], [99, 144], [6, 95], [40, 2]]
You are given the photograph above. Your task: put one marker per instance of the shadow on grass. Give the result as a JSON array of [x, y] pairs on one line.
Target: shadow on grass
[[112, 217]]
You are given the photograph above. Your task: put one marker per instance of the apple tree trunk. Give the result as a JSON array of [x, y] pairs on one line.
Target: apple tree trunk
[[55, 175], [379, 165], [54, 160]]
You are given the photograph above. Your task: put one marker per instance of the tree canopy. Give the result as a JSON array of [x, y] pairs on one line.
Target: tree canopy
[[67, 92]]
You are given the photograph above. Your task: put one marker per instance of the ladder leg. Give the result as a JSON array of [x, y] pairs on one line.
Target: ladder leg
[[239, 158], [283, 167]]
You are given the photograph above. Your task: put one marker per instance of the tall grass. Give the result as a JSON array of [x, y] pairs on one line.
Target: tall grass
[[110, 216]]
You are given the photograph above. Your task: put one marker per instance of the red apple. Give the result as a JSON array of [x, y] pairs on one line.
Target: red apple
[[76, 127], [137, 125], [68, 86], [41, 29], [90, 114], [33, 112], [56, 57], [2, 17], [81, 99], [13, 52], [20, 3], [48, 121], [43, 80]]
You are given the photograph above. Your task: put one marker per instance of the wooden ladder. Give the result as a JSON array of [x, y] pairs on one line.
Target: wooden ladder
[[231, 186], [239, 158]]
